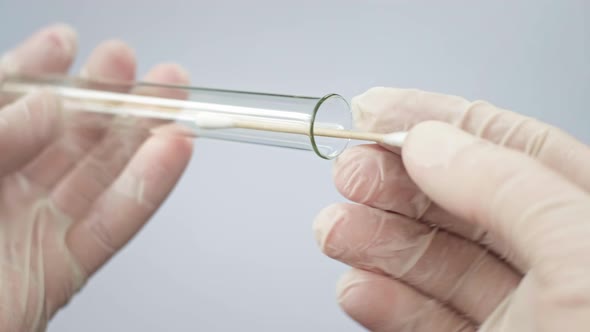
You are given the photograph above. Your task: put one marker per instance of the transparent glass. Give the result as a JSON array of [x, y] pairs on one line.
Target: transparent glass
[[298, 122]]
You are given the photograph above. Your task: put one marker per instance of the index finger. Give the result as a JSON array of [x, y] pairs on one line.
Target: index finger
[[541, 215], [389, 109]]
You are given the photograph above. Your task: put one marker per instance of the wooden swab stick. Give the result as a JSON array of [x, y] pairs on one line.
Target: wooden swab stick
[[214, 121]]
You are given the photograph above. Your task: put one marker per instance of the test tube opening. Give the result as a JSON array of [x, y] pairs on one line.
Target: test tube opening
[[331, 112]]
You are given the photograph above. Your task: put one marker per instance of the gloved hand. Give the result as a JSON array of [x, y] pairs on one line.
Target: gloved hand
[[482, 222], [74, 188]]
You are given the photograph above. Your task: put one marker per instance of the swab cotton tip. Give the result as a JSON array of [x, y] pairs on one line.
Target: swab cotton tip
[[395, 139], [213, 121]]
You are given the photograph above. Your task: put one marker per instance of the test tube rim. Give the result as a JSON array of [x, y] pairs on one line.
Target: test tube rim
[[312, 138]]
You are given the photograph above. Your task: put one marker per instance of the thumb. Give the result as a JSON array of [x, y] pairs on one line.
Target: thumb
[[537, 212]]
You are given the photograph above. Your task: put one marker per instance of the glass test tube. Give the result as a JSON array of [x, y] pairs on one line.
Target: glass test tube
[[261, 118]]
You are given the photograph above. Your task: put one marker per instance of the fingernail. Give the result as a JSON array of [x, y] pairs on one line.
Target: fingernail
[[323, 226], [431, 144], [182, 75], [65, 36]]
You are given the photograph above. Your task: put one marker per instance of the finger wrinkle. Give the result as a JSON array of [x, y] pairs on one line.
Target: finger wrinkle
[[503, 127], [363, 175], [365, 185], [386, 184], [346, 159], [549, 234], [103, 173], [487, 124], [386, 248], [421, 204], [397, 253], [462, 120], [511, 132], [346, 169], [132, 186], [421, 246], [537, 142], [101, 234], [373, 176], [349, 282], [391, 244], [504, 251], [470, 112], [472, 268], [531, 221], [480, 234], [466, 326], [485, 120], [427, 309], [376, 235]]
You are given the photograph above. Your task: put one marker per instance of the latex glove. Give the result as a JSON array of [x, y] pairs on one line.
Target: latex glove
[[73, 188], [502, 246]]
